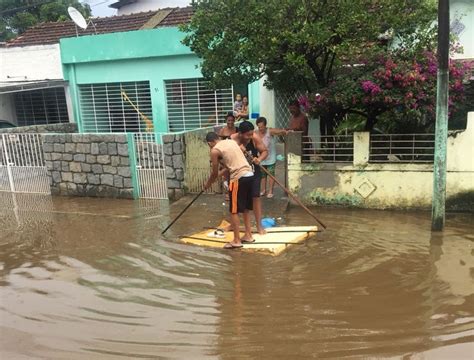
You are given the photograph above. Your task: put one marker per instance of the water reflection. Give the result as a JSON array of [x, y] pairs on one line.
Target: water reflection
[[93, 278]]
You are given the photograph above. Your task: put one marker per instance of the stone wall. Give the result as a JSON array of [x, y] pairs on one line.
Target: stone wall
[[174, 162], [88, 165], [40, 129]]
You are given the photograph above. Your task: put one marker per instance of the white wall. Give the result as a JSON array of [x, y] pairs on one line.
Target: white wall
[[384, 185], [30, 63], [463, 10], [267, 103], [7, 108], [147, 5]]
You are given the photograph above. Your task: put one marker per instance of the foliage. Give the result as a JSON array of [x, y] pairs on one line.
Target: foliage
[[297, 44], [368, 59], [395, 83], [18, 15]]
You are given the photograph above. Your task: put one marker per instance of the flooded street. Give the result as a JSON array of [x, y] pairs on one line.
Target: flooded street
[[94, 279]]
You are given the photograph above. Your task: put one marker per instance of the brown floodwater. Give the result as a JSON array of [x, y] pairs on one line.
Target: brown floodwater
[[94, 279]]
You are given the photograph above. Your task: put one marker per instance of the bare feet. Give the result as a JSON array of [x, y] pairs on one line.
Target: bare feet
[[261, 231]]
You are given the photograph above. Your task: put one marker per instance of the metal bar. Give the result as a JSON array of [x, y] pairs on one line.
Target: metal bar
[[199, 103], [93, 108], [108, 106], [182, 104], [9, 171], [29, 150], [215, 106]]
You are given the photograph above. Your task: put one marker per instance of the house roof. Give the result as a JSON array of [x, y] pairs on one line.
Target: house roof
[[51, 32], [120, 3]]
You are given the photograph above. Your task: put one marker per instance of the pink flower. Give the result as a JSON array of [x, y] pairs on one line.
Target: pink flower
[[432, 68], [304, 102], [370, 88]]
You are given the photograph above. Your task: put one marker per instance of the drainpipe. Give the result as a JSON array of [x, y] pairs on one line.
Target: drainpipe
[[441, 134]]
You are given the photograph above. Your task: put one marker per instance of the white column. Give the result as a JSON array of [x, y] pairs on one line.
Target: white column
[[361, 148]]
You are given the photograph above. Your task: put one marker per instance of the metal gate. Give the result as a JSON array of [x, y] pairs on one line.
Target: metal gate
[[22, 167], [150, 166]]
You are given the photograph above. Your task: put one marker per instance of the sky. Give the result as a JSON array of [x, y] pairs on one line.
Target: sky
[[101, 7]]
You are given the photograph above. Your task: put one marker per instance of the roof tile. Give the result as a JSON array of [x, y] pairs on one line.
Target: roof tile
[[51, 32]]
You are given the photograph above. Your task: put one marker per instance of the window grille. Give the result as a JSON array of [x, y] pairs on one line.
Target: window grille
[[116, 107], [191, 104], [40, 107]]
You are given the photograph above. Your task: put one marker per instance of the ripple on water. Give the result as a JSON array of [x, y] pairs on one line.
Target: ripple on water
[[376, 284]]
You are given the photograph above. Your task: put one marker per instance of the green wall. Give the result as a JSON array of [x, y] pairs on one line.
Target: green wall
[[144, 55], [123, 45]]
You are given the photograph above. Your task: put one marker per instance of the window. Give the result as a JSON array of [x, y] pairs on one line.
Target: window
[[116, 107], [39, 107], [191, 104]]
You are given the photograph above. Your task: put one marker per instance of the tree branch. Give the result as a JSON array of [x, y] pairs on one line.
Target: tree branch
[[330, 66]]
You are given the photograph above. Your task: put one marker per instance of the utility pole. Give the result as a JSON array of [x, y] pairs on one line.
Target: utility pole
[[441, 133]]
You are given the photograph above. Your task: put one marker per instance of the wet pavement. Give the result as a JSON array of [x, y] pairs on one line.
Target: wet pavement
[[94, 279]]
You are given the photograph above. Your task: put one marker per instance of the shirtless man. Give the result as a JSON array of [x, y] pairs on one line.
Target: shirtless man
[[230, 129], [254, 146], [298, 120], [229, 154]]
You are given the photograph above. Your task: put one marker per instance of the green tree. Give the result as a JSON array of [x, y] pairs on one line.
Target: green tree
[[303, 44], [18, 15]]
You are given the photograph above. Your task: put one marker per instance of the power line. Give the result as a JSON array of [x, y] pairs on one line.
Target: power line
[[97, 4]]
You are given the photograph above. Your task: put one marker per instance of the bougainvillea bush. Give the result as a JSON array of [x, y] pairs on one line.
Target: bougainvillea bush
[[391, 87]]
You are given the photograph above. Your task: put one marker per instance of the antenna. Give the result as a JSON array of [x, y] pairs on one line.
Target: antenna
[[78, 19]]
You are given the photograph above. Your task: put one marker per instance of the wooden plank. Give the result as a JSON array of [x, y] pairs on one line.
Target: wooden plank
[[275, 242]]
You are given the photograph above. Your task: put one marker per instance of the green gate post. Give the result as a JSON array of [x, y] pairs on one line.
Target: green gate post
[[439, 168], [132, 153]]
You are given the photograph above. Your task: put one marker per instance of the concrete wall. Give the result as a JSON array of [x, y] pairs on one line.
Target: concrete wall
[[29, 63], [267, 103], [383, 185], [51, 128], [462, 12], [88, 165]]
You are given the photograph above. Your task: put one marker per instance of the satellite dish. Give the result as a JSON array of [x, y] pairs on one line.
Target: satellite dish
[[77, 17]]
